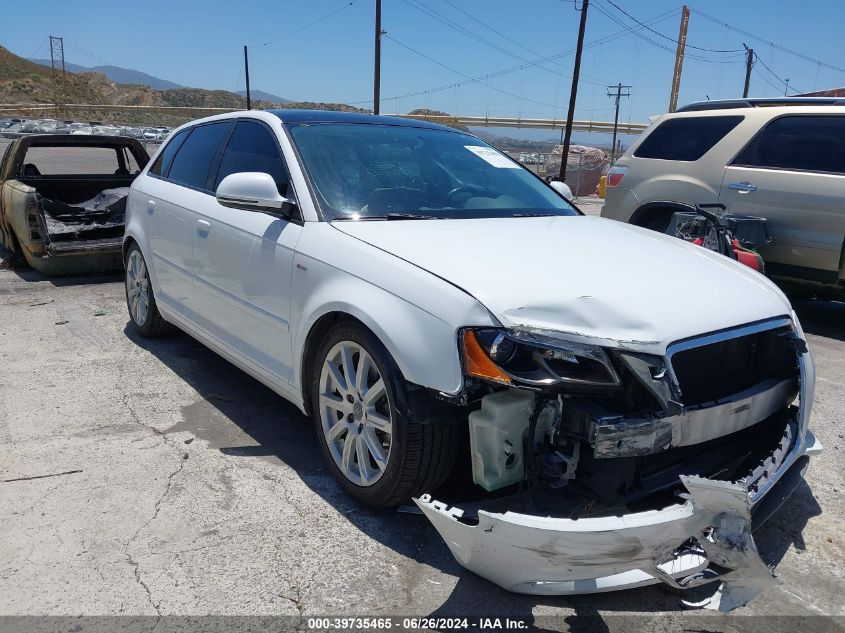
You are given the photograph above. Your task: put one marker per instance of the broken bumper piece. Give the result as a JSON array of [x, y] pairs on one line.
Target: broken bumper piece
[[704, 539]]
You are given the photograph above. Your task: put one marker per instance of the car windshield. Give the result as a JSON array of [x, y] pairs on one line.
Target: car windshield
[[372, 171]]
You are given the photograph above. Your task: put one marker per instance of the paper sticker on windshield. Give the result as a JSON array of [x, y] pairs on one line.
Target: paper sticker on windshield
[[492, 156]]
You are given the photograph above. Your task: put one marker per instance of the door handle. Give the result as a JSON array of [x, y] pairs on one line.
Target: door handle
[[151, 206], [742, 187], [203, 227]]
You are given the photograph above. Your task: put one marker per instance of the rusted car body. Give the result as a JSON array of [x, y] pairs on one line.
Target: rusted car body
[[62, 200]]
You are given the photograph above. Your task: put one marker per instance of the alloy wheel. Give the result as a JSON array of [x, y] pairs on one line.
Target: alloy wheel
[[355, 413], [137, 287]]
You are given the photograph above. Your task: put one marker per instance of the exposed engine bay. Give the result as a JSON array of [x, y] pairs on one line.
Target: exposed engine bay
[[613, 442]]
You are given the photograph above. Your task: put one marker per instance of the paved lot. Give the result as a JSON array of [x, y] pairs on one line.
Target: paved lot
[[141, 477]]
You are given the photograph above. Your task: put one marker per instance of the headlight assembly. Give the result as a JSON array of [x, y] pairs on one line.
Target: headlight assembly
[[525, 359]]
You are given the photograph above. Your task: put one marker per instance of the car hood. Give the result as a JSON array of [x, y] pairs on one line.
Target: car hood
[[585, 276]]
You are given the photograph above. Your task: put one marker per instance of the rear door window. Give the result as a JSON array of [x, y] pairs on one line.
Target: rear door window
[[194, 158], [165, 157], [686, 139], [798, 142], [252, 147]]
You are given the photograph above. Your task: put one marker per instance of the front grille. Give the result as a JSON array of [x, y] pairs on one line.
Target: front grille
[[715, 371]]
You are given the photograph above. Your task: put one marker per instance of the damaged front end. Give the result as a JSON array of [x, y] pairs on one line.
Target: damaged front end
[[608, 467]]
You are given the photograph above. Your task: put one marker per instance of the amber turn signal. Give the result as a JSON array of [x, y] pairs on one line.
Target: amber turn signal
[[478, 364]]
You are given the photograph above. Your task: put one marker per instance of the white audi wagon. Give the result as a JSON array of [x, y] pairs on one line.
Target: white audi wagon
[[630, 404]]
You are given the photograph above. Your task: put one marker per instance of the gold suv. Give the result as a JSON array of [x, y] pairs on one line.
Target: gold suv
[[781, 159]]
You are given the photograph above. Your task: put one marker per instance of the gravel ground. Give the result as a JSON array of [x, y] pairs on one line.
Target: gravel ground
[[154, 478]]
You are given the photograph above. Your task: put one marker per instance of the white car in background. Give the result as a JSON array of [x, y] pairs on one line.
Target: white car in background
[[405, 284]]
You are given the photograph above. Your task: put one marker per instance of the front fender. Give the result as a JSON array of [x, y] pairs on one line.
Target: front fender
[[414, 314]]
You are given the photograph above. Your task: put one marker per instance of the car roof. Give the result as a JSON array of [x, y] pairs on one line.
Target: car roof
[[295, 116], [731, 104]]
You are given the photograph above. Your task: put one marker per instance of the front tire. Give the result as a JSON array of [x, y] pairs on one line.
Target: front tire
[[140, 299], [358, 403]]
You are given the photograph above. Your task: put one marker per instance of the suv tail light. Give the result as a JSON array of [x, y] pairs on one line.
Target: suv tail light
[[615, 176]]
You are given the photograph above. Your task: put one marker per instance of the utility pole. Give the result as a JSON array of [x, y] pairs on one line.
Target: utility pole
[[786, 89], [679, 59], [246, 72], [377, 61], [57, 61], [749, 62], [564, 156], [618, 94]]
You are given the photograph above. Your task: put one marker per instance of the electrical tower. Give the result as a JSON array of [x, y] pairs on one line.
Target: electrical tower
[[57, 64], [616, 91]]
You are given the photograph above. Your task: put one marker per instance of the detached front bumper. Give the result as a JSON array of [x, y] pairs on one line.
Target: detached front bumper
[[705, 538]]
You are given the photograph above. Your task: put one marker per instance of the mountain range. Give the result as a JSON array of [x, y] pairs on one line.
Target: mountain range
[[128, 76]]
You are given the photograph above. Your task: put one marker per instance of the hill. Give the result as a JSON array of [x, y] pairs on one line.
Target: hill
[[264, 96], [23, 81], [117, 74]]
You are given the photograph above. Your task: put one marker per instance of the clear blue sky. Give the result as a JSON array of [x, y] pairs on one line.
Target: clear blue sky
[[199, 44]]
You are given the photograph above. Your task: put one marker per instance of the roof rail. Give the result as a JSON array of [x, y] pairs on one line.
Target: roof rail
[[727, 104]]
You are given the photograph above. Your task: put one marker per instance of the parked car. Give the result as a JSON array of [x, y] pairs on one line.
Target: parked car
[[781, 159], [405, 284], [63, 197]]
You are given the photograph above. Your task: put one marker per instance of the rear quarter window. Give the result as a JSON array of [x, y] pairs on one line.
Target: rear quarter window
[[686, 139], [799, 142]]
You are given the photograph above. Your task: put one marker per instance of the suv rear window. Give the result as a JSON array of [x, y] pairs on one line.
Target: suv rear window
[[687, 138], [808, 143]]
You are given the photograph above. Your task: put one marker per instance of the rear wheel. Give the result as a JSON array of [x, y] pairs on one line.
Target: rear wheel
[[375, 452], [140, 299]]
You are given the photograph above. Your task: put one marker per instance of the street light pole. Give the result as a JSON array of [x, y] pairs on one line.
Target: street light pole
[[567, 136]]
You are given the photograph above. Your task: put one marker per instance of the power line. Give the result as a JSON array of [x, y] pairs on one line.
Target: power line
[[769, 42], [38, 50], [490, 28], [604, 40], [88, 53], [766, 79], [457, 72], [607, 13], [478, 38], [775, 75], [688, 45], [308, 25]]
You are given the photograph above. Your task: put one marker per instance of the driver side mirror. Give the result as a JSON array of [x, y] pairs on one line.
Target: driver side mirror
[[253, 191]]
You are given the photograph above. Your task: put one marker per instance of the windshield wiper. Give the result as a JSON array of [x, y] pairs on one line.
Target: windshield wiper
[[410, 216], [390, 216]]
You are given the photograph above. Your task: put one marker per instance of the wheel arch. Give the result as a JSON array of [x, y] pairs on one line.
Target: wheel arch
[[423, 347], [128, 241], [657, 209], [319, 329]]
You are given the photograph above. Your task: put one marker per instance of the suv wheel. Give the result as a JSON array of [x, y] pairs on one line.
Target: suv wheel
[[139, 297], [358, 397]]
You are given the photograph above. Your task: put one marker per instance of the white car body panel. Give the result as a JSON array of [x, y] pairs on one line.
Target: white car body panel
[[252, 286], [616, 303]]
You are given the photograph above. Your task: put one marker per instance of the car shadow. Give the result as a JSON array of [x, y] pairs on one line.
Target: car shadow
[[821, 317], [242, 418]]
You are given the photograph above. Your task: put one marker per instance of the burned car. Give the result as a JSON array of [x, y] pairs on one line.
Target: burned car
[[632, 405], [63, 200]]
